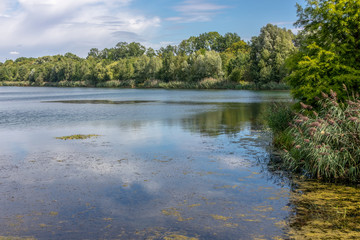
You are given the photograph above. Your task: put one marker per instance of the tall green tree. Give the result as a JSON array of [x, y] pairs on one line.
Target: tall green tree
[[268, 53], [329, 55]]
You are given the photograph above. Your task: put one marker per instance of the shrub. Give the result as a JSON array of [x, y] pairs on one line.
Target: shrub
[[326, 143]]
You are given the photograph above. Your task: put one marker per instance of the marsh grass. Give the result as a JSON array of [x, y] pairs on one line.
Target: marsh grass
[[78, 136], [326, 143], [15, 83], [278, 116], [206, 83], [16, 238]]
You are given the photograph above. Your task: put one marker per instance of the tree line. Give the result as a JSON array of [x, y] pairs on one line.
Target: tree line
[[226, 58]]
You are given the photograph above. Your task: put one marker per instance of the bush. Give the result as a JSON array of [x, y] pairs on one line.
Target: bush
[[326, 143]]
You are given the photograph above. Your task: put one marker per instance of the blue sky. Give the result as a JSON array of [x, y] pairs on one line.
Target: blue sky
[[33, 28]]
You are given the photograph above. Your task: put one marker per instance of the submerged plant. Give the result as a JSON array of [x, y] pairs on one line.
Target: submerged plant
[[77, 136], [326, 143]]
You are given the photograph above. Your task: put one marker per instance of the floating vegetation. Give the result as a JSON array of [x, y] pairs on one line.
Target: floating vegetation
[[53, 213], [179, 237], [194, 205], [325, 211], [219, 217], [16, 238], [176, 213], [78, 136], [263, 209], [231, 225]]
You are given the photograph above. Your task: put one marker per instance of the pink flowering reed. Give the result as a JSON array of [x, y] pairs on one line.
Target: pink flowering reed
[[315, 124], [324, 95]]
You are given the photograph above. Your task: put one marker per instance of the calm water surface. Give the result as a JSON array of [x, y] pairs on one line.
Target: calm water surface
[[167, 163]]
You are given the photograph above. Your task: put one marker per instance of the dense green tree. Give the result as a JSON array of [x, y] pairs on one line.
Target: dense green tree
[[150, 52], [187, 46], [208, 41], [167, 71], [268, 54], [167, 51], [94, 52], [238, 67], [329, 55], [206, 65], [226, 41], [153, 68]]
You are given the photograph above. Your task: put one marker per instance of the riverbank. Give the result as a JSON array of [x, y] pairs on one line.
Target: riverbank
[[320, 141], [208, 83]]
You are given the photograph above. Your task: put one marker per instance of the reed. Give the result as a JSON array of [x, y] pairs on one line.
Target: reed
[[325, 144]]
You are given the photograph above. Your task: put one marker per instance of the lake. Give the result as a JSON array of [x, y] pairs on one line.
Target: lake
[[166, 164]]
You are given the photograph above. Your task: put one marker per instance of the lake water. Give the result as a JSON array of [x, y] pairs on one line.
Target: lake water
[[168, 164]]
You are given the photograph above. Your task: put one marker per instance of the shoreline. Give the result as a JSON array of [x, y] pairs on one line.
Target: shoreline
[[211, 84]]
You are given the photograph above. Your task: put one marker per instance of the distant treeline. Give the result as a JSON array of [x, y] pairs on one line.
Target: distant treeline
[[210, 60]]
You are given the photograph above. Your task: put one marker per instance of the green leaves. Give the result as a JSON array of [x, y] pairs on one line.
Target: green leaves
[[268, 53], [329, 55]]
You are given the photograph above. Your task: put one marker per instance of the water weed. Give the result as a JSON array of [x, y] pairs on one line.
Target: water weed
[[77, 136]]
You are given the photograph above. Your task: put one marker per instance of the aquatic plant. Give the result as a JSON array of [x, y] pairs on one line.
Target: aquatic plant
[[324, 211], [326, 142], [278, 116], [77, 136]]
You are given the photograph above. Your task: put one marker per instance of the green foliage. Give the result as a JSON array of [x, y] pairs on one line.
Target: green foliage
[[238, 67], [318, 72], [326, 143], [329, 55], [206, 66], [207, 61], [268, 54], [208, 41], [278, 116]]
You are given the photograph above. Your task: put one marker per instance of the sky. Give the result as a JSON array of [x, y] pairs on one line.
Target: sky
[[34, 28]]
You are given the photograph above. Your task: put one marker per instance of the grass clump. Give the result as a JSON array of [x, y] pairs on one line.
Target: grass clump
[[77, 136], [325, 144], [278, 117]]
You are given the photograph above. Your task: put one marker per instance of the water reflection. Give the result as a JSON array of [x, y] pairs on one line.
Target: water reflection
[[228, 118], [162, 167]]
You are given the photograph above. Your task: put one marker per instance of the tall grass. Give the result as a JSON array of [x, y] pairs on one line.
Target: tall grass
[[15, 83], [278, 116], [326, 143]]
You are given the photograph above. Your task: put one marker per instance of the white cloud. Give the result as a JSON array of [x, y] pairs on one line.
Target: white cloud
[[76, 25], [196, 11], [14, 53], [198, 6]]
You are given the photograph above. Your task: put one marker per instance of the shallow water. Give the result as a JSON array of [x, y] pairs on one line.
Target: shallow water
[[167, 164]]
